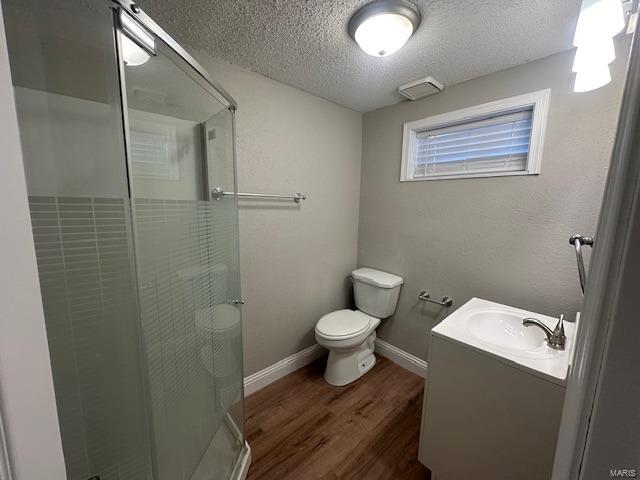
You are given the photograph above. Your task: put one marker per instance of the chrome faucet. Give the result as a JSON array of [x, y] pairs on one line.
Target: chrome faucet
[[555, 338]]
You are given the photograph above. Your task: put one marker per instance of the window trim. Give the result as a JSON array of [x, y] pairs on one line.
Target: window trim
[[539, 100]]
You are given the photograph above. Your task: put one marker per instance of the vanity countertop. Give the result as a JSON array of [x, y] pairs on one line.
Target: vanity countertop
[[495, 330]]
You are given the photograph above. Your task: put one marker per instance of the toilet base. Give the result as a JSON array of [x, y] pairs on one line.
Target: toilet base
[[346, 367]]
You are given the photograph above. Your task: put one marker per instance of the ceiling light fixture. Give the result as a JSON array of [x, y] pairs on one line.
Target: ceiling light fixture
[[596, 77], [138, 45], [132, 54], [382, 27], [598, 23]]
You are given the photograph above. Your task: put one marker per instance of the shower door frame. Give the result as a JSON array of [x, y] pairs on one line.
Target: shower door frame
[[243, 460], [218, 92]]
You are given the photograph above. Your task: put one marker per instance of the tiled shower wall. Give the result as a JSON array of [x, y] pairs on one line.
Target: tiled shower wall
[[87, 286], [191, 340]]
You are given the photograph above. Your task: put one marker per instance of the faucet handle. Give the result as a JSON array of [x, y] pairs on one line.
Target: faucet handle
[[560, 325]]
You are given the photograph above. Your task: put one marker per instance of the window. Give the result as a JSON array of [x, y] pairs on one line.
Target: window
[[154, 149], [494, 139]]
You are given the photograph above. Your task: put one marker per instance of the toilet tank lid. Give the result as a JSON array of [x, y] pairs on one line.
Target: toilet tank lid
[[377, 277]]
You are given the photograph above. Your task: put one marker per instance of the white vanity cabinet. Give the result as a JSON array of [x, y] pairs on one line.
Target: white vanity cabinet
[[491, 412]]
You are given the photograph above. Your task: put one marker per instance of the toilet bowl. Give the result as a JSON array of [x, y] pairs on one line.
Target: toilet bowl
[[350, 335]]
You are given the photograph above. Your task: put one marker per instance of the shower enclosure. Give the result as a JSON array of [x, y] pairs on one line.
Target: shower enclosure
[[123, 134]]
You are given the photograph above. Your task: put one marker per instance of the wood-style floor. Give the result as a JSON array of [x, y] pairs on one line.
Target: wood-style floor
[[302, 428]]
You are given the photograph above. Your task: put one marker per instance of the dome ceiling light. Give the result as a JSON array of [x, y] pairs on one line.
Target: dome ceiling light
[[382, 27]]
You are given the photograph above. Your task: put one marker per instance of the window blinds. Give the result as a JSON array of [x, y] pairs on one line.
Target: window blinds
[[496, 144], [151, 156]]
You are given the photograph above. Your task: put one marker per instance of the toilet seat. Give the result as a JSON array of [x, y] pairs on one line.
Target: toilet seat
[[343, 324]]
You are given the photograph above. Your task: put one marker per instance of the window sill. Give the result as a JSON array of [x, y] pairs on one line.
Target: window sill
[[459, 176]]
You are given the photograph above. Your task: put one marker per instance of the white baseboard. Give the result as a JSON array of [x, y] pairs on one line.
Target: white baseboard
[[402, 358], [261, 379], [288, 365]]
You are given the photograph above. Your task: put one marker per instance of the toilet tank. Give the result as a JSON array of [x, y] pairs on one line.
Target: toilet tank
[[376, 291]]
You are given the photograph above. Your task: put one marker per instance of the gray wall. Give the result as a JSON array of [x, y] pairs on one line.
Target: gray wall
[[501, 239], [294, 259]]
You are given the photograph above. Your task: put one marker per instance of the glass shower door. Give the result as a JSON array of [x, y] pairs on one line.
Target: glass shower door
[[180, 140], [67, 92]]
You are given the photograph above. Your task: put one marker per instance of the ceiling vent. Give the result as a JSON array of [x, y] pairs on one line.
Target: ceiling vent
[[421, 88], [151, 96]]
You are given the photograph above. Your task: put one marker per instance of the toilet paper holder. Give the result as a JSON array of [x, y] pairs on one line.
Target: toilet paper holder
[[426, 297]]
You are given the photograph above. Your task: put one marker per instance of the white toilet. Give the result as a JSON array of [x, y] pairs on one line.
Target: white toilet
[[349, 334]]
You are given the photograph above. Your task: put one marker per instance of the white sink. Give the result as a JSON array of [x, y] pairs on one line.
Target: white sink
[[497, 330], [503, 327]]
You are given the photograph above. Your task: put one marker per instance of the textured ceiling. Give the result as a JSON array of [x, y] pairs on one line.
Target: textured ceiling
[[305, 43]]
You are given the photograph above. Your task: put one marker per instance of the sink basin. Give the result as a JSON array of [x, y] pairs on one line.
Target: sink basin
[[503, 327], [496, 330]]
